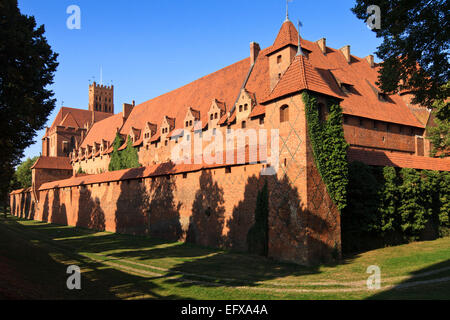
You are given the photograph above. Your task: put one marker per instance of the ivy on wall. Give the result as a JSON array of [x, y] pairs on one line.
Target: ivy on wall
[[258, 235], [389, 206], [123, 159], [329, 147]]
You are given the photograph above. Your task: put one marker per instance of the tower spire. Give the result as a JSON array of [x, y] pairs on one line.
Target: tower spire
[[287, 10], [299, 51]]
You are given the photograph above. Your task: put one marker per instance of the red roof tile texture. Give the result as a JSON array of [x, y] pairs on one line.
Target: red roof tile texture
[[105, 129], [59, 163], [392, 159]]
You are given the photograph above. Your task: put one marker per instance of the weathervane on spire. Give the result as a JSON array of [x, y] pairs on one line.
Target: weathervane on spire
[[299, 51], [287, 9]]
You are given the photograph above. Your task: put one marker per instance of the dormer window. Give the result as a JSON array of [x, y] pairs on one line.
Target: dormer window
[[216, 115], [244, 124], [240, 108], [245, 107], [190, 123], [211, 117], [187, 123]]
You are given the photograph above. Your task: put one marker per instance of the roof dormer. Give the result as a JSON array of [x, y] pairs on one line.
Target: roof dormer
[[192, 116], [167, 125], [149, 130], [244, 105], [215, 113]]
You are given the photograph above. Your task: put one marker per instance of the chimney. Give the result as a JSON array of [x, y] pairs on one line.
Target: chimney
[[369, 59], [254, 52], [322, 45], [346, 51], [127, 110]]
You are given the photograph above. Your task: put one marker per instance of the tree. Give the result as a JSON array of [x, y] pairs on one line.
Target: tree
[[27, 66], [439, 134], [415, 33], [123, 159], [22, 176]]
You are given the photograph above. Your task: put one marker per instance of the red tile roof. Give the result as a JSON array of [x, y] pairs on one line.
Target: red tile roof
[[311, 73], [105, 129], [288, 35], [59, 163], [78, 117], [394, 159], [301, 75]]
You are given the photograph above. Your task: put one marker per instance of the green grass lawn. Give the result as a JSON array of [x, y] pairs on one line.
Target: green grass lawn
[[34, 257]]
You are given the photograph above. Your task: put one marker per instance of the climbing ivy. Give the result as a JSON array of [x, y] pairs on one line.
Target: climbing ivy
[[258, 235], [123, 159], [329, 147], [389, 206]]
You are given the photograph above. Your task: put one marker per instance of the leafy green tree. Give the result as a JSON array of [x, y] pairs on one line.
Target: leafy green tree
[[415, 33], [389, 202], [27, 67], [116, 161], [414, 215], [439, 134], [123, 159], [22, 176]]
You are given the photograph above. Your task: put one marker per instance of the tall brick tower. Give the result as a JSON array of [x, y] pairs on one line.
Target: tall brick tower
[[101, 98]]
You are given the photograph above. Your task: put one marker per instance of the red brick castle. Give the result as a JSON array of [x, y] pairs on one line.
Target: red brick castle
[[214, 204]]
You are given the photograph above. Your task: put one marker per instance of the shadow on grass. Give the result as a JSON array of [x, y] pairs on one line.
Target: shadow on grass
[[37, 268], [426, 283]]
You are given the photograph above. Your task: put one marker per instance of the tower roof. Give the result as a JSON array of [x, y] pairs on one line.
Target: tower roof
[[301, 75], [288, 35]]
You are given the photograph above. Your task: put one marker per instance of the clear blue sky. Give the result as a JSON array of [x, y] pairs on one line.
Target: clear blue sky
[[149, 47]]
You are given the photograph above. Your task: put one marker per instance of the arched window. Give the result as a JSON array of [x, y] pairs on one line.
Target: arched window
[[284, 113], [216, 115], [211, 117]]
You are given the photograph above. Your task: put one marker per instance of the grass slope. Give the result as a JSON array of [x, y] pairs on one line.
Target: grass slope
[[34, 257]]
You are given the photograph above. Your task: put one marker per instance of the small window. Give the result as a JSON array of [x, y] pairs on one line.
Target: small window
[[279, 76], [361, 124], [190, 123], [187, 123], [216, 115], [261, 120], [245, 107], [184, 175], [211, 117], [279, 59], [243, 125], [214, 131], [227, 170], [388, 127], [166, 142], [284, 113], [240, 108], [375, 125], [188, 137]]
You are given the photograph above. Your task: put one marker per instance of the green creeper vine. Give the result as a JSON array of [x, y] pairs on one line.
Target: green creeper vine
[[123, 159], [329, 147]]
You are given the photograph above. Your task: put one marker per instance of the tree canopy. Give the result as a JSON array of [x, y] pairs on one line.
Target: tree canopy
[[27, 67], [415, 46], [123, 159], [22, 176], [439, 133]]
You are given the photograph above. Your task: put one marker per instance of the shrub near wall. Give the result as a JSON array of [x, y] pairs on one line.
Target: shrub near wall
[[389, 206]]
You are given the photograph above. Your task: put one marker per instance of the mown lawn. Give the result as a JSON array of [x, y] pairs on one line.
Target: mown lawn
[[34, 257]]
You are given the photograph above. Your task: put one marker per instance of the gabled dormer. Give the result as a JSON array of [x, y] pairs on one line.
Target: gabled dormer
[[244, 106], [135, 134], [167, 125], [192, 116], [149, 131], [215, 113]]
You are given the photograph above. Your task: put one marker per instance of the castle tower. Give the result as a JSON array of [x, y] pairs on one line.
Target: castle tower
[[101, 98]]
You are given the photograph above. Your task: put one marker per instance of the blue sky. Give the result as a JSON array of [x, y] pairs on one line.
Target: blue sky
[[146, 48]]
